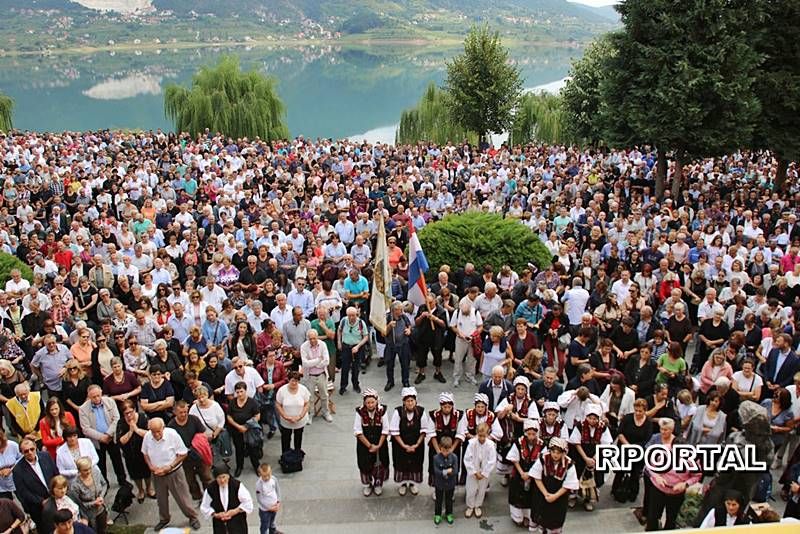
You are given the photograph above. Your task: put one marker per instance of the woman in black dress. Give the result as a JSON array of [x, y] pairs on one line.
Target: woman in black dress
[[242, 409], [131, 430], [634, 429], [521, 489], [372, 448], [555, 476]]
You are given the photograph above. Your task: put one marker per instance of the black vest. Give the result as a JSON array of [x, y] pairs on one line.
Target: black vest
[[721, 516], [238, 523]]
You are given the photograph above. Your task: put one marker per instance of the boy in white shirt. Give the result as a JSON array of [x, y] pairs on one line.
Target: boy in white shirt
[[268, 495], [479, 461]]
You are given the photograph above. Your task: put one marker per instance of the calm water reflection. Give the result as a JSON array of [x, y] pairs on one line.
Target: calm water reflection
[[328, 91]]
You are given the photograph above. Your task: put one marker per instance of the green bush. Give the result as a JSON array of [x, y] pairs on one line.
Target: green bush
[[482, 238], [8, 263]]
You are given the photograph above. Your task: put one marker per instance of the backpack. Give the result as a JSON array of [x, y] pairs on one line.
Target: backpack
[[123, 499], [291, 461]]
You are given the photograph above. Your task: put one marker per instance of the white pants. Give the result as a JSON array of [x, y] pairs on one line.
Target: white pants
[[320, 384], [476, 491], [380, 348], [519, 514], [464, 347]]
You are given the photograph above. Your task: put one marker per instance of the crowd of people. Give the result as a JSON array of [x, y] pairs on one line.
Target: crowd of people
[[190, 298]]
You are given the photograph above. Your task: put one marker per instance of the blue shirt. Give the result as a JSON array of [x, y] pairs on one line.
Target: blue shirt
[[101, 423], [8, 458], [359, 286]]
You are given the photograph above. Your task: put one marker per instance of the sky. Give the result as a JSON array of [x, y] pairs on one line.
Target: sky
[[595, 3]]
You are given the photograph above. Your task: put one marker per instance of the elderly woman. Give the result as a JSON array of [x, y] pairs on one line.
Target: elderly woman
[[495, 349], [170, 365], [9, 456], [715, 367], [72, 450], [121, 385], [210, 413], [521, 345], [781, 420], [137, 357], [196, 341], [89, 489], [131, 430]]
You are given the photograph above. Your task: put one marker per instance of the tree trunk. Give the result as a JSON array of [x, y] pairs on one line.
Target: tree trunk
[[661, 173], [780, 175], [677, 177]]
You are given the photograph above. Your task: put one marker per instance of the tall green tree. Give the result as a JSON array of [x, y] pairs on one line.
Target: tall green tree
[[581, 94], [541, 117], [483, 85], [430, 120], [778, 85], [6, 109], [683, 77], [227, 100]]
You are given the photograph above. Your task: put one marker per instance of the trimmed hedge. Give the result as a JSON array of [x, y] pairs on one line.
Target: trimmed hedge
[[9, 263], [482, 238]]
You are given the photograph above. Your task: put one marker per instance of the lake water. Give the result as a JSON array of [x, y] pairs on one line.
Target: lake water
[[328, 91]]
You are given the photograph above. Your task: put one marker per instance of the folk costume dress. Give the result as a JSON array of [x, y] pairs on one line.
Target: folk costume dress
[[513, 430], [522, 493], [589, 437], [444, 426], [409, 426], [557, 430], [468, 428], [554, 476], [373, 467]]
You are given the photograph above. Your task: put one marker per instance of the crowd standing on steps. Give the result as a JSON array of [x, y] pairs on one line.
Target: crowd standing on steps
[[191, 297]]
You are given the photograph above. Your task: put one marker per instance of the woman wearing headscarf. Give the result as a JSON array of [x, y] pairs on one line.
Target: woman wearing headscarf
[[521, 489], [445, 424], [409, 425], [371, 428], [585, 438], [555, 477], [512, 412], [468, 426]]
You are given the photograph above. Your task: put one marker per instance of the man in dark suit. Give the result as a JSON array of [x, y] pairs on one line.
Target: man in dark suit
[[32, 476], [781, 365], [496, 388], [546, 389]]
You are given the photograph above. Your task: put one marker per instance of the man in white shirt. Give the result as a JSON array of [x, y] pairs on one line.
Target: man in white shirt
[[240, 372], [315, 359], [281, 313], [164, 452], [622, 287], [575, 299], [213, 294], [709, 306], [301, 297]]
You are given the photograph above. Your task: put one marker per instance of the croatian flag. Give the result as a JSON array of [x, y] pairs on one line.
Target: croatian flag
[[417, 267]]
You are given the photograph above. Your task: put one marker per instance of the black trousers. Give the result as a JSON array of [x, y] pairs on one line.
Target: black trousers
[[657, 501], [113, 450], [242, 451], [351, 366], [286, 438], [447, 497]]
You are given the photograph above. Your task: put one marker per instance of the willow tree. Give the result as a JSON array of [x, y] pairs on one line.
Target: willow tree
[[541, 117], [225, 99], [6, 107], [431, 120]]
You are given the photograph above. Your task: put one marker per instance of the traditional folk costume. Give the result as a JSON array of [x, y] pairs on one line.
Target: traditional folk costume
[[551, 425], [523, 454], [444, 425], [588, 434], [373, 426], [409, 427], [518, 403], [554, 475], [468, 427]]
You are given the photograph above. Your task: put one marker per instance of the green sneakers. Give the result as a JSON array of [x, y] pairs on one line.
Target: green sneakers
[[450, 519], [437, 519]]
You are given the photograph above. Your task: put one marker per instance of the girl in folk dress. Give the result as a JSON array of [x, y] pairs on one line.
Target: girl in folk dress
[[521, 489], [551, 424], [555, 477], [468, 427], [371, 427], [585, 437], [445, 424], [409, 426], [512, 412]]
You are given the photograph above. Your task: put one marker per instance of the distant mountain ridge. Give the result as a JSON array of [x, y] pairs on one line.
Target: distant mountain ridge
[[102, 22]]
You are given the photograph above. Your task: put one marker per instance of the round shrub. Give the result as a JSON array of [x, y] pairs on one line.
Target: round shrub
[[482, 238]]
